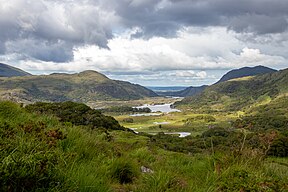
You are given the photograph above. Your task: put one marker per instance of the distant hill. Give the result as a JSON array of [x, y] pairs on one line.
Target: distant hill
[[167, 89], [231, 75], [9, 71], [189, 91], [81, 87], [244, 72], [239, 93]]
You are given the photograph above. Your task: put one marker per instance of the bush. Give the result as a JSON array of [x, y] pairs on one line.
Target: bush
[[77, 114], [128, 120], [217, 131], [279, 147], [28, 152], [126, 109], [124, 171]]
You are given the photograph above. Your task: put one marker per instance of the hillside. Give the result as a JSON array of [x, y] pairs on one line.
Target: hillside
[[231, 75], [64, 147], [244, 72], [239, 93], [81, 87], [9, 71], [189, 91]]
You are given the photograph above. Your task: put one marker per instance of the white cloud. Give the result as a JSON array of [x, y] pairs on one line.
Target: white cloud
[[189, 58]]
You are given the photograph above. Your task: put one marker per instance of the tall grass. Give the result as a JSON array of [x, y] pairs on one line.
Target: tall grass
[[38, 153]]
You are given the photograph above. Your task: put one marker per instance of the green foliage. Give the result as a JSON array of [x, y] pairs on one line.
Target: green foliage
[[279, 147], [77, 114], [236, 95], [38, 152], [82, 87], [217, 131], [126, 109], [128, 120], [239, 179], [202, 118], [28, 152], [123, 171], [164, 181]]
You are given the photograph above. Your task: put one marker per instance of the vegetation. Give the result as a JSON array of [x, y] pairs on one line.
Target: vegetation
[[238, 142], [83, 87], [125, 109], [189, 91], [76, 113], [9, 71], [246, 72], [238, 95], [50, 147]]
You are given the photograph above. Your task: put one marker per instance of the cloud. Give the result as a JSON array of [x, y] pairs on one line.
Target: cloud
[[189, 53], [185, 39], [164, 18], [190, 74], [60, 25]]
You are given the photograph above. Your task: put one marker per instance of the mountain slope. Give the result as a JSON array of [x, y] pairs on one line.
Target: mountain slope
[[245, 71], [231, 75], [189, 91], [81, 87], [9, 71], [239, 93]]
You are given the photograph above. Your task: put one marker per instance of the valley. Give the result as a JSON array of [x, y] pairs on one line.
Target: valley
[[144, 96], [231, 136]]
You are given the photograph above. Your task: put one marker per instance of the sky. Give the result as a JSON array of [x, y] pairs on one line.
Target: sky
[[149, 42]]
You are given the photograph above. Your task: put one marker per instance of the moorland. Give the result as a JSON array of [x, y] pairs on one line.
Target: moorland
[[238, 141]]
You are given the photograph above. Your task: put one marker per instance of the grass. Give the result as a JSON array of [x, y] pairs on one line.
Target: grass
[[96, 160], [176, 122]]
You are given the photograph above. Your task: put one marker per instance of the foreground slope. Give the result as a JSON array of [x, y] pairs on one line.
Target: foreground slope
[[238, 93], [9, 71], [82, 87], [43, 149]]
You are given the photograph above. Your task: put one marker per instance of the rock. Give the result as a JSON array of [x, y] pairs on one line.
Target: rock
[[146, 170]]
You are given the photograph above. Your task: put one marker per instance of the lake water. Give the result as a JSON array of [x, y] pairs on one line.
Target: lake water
[[181, 134], [164, 108]]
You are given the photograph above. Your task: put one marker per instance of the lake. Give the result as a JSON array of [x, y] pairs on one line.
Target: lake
[[164, 108]]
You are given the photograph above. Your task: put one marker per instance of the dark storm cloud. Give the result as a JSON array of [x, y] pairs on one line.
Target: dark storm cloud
[[48, 30], [256, 16], [60, 51], [55, 27]]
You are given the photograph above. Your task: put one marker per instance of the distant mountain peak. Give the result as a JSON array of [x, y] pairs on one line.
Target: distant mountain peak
[[9, 71], [81, 87], [246, 71]]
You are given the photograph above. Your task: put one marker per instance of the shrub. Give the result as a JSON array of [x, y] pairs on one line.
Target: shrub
[[77, 114], [279, 147], [217, 131], [128, 120], [124, 171]]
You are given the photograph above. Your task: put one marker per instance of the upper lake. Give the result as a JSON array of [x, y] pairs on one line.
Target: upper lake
[[164, 108]]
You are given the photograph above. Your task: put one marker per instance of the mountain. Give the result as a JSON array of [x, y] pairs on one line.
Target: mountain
[[189, 91], [81, 87], [233, 74], [244, 72], [167, 89], [9, 71], [239, 93]]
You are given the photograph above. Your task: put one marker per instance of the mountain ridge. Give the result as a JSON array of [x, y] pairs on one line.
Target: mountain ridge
[[244, 72], [81, 87], [238, 94], [10, 71], [231, 75]]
